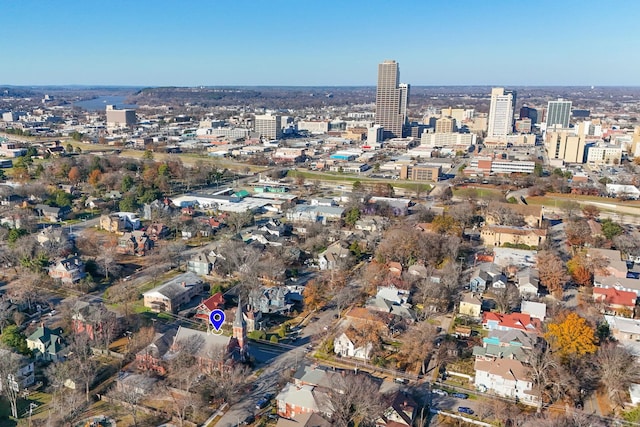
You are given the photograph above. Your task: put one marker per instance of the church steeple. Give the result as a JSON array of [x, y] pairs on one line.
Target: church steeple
[[240, 329]]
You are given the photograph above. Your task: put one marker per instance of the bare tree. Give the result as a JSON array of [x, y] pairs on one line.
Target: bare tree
[[417, 345], [507, 298], [130, 397], [83, 366], [9, 388], [553, 273], [618, 370], [542, 366], [355, 400]]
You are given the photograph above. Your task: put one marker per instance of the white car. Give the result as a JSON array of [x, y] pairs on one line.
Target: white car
[[439, 392]]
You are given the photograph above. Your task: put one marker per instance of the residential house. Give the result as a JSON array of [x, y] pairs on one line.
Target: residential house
[[24, 376], [349, 344], [171, 295], [619, 283], [134, 243], [95, 320], [537, 310], [505, 322], [46, 344], [616, 302], [307, 419], [93, 202], [202, 263], [53, 237], [510, 344], [471, 305], [214, 302], [372, 224], [402, 411], [294, 400], [52, 213], [333, 257], [314, 375], [113, 223], [498, 235], [274, 228], [360, 315], [68, 271], [157, 231], [616, 266], [270, 300], [623, 329], [507, 378], [527, 282], [487, 275]]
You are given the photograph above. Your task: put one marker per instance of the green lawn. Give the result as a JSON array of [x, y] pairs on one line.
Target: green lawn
[[40, 399]]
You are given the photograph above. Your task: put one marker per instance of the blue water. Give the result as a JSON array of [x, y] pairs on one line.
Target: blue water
[[100, 103]]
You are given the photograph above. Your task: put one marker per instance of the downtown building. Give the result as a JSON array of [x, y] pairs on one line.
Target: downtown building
[[500, 123], [558, 113], [392, 99], [268, 126]]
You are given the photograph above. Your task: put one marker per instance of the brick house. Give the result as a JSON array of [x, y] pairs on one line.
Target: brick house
[[134, 243], [68, 271]]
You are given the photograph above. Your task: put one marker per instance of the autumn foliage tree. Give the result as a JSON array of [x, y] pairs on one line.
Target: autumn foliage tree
[[571, 336], [590, 212], [74, 175], [314, 295], [94, 177], [579, 270], [553, 274]]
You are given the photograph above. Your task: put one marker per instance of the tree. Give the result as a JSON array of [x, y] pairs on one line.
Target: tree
[[126, 184], [590, 212], [570, 208], [417, 345], [352, 216], [355, 400], [237, 220], [446, 194], [611, 229], [314, 295], [130, 396], [94, 177], [542, 366], [618, 370], [506, 298], [148, 155], [13, 338], [571, 336], [552, 272], [83, 366], [9, 366], [74, 175]]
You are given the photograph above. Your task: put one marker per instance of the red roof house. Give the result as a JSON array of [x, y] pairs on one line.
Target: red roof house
[[506, 322]]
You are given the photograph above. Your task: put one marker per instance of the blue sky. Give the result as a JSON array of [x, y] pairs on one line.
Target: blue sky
[[319, 42]]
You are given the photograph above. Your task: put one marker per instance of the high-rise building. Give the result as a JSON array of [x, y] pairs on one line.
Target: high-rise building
[[558, 113], [120, 118], [565, 145], [501, 112], [529, 113], [268, 126], [445, 125], [392, 99]]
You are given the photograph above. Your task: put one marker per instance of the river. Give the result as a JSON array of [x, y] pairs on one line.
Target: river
[[101, 102]]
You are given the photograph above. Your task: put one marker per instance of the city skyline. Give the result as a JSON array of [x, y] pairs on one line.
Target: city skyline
[[285, 43]]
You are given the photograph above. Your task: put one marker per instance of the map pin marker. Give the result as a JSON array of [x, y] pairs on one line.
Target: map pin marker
[[217, 319]]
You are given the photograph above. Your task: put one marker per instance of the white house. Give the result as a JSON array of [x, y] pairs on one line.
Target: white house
[[344, 345], [331, 258], [25, 376], [527, 283], [505, 377], [537, 310]]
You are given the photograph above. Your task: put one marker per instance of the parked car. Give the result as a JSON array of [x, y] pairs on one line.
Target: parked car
[[439, 392], [264, 401], [250, 419], [465, 410], [460, 395]]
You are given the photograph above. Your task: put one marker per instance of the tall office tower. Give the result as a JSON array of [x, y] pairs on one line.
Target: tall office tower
[[392, 99], [558, 113], [529, 113], [501, 112], [444, 125], [268, 126]]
